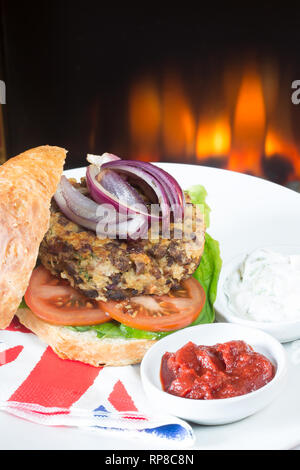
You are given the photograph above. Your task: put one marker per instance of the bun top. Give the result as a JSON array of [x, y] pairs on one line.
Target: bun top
[[27, 184]]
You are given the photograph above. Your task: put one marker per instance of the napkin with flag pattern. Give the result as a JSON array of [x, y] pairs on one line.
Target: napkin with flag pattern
[[37, 385]]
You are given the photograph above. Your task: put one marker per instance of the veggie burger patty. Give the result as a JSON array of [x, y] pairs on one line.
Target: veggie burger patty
[[112, 269]]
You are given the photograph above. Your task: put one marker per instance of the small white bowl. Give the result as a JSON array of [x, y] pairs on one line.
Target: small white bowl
[[284, 331], [217, 411]]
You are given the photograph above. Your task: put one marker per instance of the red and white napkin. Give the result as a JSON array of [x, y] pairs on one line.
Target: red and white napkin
[[37, 385]]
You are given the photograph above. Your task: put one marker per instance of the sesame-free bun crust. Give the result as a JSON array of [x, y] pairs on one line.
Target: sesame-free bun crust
[[27, 184], [86, 346]]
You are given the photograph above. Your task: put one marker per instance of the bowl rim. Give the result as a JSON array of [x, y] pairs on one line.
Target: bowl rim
[[221, 306], [280, 368]]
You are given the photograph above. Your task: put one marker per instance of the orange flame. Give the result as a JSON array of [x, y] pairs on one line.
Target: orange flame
[[178, 127], [249, 125], [162, 122], [213, 138], [144, 120]]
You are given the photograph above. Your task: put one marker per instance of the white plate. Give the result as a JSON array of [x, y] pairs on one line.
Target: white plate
[[284, 331], [247, 213], [222, 411]]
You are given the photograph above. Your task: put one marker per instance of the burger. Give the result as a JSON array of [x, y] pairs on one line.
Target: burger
[[125, 261]]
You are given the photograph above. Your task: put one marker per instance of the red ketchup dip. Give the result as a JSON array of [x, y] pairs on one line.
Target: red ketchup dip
[[211, 372]]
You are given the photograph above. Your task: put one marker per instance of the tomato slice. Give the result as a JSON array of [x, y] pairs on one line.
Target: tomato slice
[[160, 313], [55, 301]]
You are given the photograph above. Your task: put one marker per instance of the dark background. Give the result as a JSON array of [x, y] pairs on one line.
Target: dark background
[[68, 65]]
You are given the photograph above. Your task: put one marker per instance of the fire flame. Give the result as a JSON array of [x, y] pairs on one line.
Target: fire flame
[[162, 125], [213, 138], [249, 125], [178, 127], [144, 120]]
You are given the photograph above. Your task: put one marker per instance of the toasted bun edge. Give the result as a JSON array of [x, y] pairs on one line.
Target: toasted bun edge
[[85, 347], [27, 184]]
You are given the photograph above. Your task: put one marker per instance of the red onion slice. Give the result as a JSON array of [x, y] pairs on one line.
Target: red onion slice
[[102, 219], [173, 193], [99, 160], [172, 187], [114, 184], [107, 187], [62, 204], [116, 208], [134, 228], [82, 205], [154, 183], [77, 202]]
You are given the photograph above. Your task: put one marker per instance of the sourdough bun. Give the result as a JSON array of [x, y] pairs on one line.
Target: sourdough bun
[[86, 346], [27, 184]]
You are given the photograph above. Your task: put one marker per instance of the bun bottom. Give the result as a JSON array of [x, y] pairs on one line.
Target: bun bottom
[[86, 346]]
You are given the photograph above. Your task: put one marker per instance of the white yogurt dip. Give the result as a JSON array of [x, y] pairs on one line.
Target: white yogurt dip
[[265, 287]]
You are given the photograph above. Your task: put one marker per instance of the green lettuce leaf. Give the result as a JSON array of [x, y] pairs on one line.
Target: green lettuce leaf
[[198, 195], [207, 274], [23, 304], [210, 266], [114, 329]]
